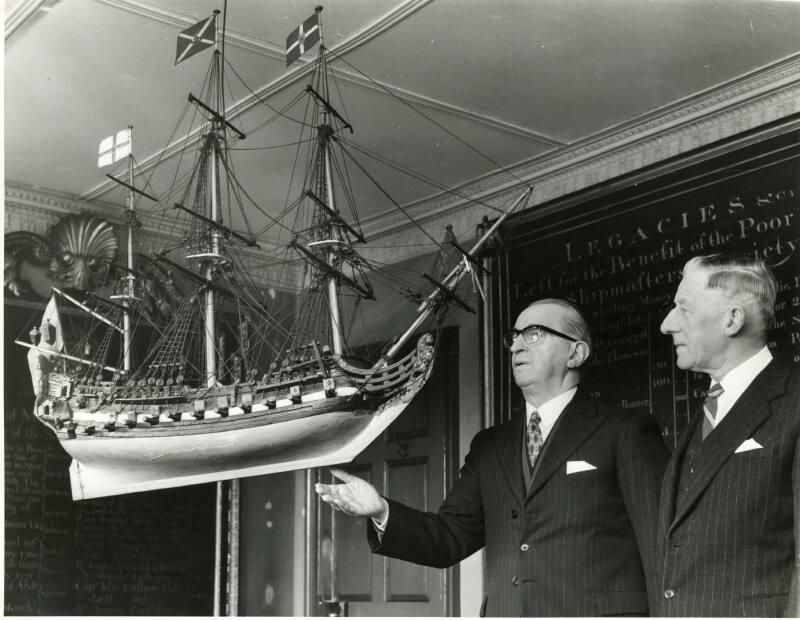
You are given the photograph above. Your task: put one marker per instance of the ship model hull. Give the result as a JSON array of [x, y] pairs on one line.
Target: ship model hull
[[152, 442]]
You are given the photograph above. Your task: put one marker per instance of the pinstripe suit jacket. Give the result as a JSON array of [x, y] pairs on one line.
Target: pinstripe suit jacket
[[727, 543], [576, 544]]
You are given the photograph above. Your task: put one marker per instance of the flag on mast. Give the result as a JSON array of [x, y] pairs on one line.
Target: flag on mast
[[196, 38], [302, 39], [114, 148]]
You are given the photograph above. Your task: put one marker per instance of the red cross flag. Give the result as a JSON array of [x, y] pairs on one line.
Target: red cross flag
[[302, 39], [114, 148], [196, 38]]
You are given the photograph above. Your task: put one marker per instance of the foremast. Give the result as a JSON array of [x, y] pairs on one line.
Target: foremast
[[333, 284], [328, 246], [210, 263], [335, 232]]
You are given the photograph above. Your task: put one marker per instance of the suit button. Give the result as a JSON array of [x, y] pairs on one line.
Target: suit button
[[514, 514], [515, 581], [524, 547], [669, 593]]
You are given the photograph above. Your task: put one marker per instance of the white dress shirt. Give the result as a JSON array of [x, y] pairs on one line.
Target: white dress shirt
[[737, 381], [549, 412]]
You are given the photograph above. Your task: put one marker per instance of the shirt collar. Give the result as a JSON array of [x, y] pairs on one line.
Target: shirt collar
[[551, 410], [738, 380]]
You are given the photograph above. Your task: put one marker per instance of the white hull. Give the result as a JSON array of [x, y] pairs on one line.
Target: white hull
[[105, 466]]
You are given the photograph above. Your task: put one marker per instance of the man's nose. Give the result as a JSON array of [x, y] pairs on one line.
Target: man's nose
[[667, 325], [518, 344]]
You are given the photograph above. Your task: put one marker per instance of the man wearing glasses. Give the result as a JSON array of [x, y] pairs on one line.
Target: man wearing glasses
[[565, 501]]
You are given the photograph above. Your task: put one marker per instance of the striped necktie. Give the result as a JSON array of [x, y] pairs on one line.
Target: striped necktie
[[535, 439], [710, 408]]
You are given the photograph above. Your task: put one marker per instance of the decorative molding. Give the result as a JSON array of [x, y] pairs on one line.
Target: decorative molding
[[303, 68], [181, 21], [277, 52], [23, 12], [37, 211], [744, 87], [749, 102], [238, 108]]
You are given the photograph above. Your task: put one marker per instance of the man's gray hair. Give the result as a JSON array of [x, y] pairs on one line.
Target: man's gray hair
[[740, 277], [574, 321]]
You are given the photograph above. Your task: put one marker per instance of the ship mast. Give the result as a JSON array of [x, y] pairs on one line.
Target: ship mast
[[206, 206], [428, 306], [333, 285], [130, 278], [128, 294], [217, 132], [325, 132]]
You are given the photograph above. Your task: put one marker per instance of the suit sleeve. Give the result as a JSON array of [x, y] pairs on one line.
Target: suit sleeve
[[641, 461], [439, 539]]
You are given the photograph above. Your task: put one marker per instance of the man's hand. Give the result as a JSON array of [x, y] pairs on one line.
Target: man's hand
[[355, 497]]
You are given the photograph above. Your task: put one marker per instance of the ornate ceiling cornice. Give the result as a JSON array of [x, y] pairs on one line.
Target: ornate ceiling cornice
[[303, 68], [22, 12], [723, 112], [743, 104]]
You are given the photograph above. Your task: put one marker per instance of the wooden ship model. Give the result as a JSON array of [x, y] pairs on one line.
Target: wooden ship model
[[187, 412]]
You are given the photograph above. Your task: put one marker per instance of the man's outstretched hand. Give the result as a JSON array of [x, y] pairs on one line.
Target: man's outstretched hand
[[355, 496]]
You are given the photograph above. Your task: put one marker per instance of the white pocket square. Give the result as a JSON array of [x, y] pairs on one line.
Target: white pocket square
[[573, 467], [749, 444]]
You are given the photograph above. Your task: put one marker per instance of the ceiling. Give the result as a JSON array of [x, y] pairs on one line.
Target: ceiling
[[498, 82]]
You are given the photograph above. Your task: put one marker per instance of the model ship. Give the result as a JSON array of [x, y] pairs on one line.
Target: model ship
[[283, 397]]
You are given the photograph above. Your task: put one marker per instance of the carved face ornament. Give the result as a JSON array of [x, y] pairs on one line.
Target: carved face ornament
[[83, 248]]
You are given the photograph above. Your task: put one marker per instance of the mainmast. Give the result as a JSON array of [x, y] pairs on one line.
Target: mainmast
[[208, 187]]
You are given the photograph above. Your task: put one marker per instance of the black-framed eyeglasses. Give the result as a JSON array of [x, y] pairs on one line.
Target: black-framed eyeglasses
[[532, 334]]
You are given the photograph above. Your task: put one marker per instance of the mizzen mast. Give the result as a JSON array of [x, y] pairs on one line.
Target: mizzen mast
[[128, 295]]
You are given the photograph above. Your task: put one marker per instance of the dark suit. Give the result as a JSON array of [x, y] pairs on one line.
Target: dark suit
[[726, 541], [571, 544]]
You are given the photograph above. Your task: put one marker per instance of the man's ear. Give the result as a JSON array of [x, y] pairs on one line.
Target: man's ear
[[735, 319], [578, 355]]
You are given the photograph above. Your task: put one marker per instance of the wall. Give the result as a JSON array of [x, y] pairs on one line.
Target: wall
[[139, 554]]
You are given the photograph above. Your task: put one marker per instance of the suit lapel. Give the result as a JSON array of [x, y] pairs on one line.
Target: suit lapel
[[747, 414], [578, 421], [509, 448]]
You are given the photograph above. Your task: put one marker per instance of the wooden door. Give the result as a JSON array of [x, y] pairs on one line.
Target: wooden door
[[414, 462]]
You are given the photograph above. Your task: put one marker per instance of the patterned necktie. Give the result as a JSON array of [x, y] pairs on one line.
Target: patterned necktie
[[535, 439], [710, 408]]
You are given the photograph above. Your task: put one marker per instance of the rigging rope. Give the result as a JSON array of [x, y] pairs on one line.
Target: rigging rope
[[431, 120]]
